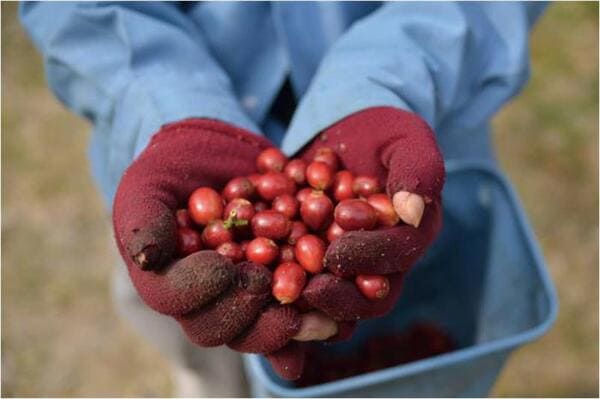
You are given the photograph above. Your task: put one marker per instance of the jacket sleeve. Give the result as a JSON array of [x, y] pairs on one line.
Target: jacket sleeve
[[454, 64], [128, 68]]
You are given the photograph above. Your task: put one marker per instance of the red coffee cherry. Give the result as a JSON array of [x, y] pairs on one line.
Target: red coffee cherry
[[216, 234], [289, 279], [270, 160], [334, 231], [319, 175], [372, 286], [296, 170], [239, 209], [239, 187], [254, 178], [262, 250], [286, 204], [270, 224], [188, 241], [297, 230], [272, 184], [309, 252], [205, 205], [244, 246], [183, 219], [386, 215], [260, 206], [232, 251], [342, 185], [303, 194], [327, 156], [317, 210], [286, 253], [366, 185], [355, 214]]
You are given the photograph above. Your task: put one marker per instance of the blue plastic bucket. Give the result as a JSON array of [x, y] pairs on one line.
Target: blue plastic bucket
[[484, 281]]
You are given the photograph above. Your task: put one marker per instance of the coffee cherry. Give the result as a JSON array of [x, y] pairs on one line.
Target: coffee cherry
[[254, 178], [386, 215], [272, 184], [244, 246], [216, 234], [262, 250], [319, 175], [260, 206], [205, 205], [239, 210], [183, 219], [355, 214], [270, 224], [342, 185], [296, 170], [366, 185], [303, 194], [188, 241], [309, 252], [286, 253], [334, 231], [289, 279], [239, 187], [270, 160], [232, 251], [286, 204], [373, 287], [317, 210], [297, 230], [327, 156]]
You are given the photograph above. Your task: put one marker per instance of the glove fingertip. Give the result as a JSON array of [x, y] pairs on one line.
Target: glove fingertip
[[146, 245], [342, 301], [221, 321], [231, 313], [358, 252], [254, 278], [288, 362], [271, 331], [186, 284]]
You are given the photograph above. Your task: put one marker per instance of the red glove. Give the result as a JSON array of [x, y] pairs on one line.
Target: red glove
[[398, 148], [215, 301]]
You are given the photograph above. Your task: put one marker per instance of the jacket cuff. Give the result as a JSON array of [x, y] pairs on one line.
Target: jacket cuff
[[327, 103], [172, 99]]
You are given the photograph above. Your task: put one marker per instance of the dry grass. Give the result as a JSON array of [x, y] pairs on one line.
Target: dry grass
[[61, 336]]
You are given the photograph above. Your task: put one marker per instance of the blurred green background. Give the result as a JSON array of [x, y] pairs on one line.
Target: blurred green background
[[61, 335]]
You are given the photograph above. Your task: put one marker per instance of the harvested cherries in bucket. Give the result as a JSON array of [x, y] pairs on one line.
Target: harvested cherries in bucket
[[285, 217]]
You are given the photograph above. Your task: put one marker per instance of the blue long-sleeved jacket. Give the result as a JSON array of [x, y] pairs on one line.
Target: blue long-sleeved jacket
[[131, 67]]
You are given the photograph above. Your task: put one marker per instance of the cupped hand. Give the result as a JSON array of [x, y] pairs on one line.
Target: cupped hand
[[215, 301], [399, 149]]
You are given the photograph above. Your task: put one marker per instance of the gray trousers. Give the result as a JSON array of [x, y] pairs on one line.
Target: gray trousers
[[196, 371]]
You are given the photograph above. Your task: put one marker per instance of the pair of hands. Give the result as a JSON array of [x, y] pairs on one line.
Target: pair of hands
[[217, 302]]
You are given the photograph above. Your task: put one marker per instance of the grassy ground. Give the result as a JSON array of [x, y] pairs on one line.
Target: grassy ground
[[548, 143], [61, 336]]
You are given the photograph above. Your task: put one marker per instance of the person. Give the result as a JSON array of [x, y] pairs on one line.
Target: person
[[185, 94]]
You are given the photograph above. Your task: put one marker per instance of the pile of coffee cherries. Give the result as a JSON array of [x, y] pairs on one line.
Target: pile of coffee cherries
[[285, 217]]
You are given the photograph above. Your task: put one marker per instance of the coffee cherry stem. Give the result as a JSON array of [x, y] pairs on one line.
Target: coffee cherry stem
[[232, 221]]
